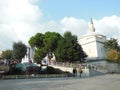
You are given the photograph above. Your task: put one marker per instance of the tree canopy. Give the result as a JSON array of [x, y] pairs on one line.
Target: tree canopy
[[19, 50], [68, 49], [7, 54], [113, 56], [112, 44], [37, 40], [113, 47], [65, 48], [44, 43]]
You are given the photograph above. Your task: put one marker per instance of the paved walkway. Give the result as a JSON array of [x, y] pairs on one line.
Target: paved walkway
[[103, 82]]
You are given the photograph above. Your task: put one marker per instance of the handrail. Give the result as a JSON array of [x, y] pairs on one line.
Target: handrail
[[34, 76]]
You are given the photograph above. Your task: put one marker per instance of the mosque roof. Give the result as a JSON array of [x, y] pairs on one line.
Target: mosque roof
[[91, 31]]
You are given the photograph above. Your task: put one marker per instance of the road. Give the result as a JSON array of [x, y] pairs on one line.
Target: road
[[102, 82]]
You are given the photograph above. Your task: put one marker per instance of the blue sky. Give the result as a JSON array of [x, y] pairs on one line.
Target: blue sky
[[85, 9], [21, 19]]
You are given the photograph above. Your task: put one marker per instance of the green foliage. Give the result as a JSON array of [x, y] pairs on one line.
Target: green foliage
[[113, 56], [37, 40], [44, 43], [19, 50], [66, 48], [32, 41], [113, 47], [14, 71], [33, 70], [112, 44], [7, 54], [39, 54], [51, 40], [51, 70], [69, 49]]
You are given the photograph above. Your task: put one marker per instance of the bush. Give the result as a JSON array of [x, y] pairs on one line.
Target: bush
[[14, 71], [51, 70], [113, 56], [33, 70]]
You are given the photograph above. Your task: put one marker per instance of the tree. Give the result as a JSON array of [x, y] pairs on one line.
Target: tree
[[44, 43], [37, 40], [19, 50], [112, 44], [113, 47], [7, 54], [69, 49], [51, 40], [113, 56]]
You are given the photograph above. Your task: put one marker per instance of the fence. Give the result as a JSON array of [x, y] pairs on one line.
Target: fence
[[34, 76], [71, 65], [100, 66]]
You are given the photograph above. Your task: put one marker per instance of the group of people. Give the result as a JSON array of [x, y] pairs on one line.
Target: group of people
[[77, 71]]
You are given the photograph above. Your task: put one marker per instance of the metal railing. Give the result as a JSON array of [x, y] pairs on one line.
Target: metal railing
[[34, 76]]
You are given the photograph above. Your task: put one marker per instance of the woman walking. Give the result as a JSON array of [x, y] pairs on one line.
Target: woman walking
[[80, 71]]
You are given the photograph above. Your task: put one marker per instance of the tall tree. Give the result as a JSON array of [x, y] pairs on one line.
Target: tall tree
[[51, 40], [37, 40], [69, 49], [19, 50], [44, 43], [112, 44], [113, 47], [7, 54]]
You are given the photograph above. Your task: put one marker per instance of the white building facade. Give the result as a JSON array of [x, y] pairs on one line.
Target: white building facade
[[93, 44], [29, 57]]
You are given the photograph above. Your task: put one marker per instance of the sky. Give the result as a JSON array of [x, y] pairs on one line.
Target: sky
[[22, 19]]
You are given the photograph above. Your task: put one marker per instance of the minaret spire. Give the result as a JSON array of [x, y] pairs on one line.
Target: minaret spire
[[92, 28]]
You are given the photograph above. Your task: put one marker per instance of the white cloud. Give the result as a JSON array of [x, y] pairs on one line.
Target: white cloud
[[17, 21], [19, 10], [51, 26], [20, 19], [109, 26], [76, 26]]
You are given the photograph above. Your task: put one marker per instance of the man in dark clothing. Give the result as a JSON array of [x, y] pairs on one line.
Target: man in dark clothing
[[74, 72]]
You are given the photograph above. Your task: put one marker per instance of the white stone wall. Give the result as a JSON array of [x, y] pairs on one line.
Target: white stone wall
[[70, 69], [90, 49], [93, 46], [101, 51]]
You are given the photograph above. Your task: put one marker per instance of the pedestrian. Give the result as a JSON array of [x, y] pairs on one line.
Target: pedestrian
[[74, 72], [80, 71]]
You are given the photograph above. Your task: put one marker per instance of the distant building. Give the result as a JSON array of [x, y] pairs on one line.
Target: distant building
[[31, 52], [29, 57], [93, 44]]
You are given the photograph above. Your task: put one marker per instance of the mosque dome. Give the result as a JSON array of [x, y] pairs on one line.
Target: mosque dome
[[93, 44], [91, 31]]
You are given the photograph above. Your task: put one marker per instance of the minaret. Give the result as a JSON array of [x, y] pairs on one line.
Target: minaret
[[92, 28]]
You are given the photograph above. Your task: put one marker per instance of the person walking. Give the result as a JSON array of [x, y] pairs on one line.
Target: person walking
[[80, 71], [74, 72]]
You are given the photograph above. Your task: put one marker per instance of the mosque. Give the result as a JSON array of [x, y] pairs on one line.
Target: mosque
[[93, 44]]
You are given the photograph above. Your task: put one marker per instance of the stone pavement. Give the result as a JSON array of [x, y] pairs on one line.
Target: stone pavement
[[103, 82]]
